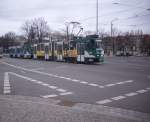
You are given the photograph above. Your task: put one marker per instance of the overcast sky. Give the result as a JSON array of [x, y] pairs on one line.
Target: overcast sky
[[131, 14]]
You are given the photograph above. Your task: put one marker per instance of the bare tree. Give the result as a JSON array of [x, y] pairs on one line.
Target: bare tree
[[28, 30], [10, 35], [9, 39], [40, 28], [35, 30]]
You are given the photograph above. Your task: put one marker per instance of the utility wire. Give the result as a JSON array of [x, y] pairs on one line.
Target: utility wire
[[132, 17], [121, 11], [135, 25]]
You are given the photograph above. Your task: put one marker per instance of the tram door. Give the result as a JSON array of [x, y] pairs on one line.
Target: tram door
[[60, 51], [35, 51], [50, 50], [46, 50], [54, 51], [80, 52]]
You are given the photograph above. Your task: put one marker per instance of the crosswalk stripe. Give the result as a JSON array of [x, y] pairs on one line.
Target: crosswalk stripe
[[61, 90], [84, 82], [131, 94], [108, 85], [141, 91], [104, 101], [50, 96], [92, 84], [66, 93], [118, 97]]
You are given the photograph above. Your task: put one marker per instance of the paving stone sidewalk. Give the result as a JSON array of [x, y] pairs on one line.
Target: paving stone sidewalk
[[28, 109]]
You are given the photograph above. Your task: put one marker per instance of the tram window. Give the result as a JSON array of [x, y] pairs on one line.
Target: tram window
[[50, 46], [38, 47], [55, 45], [18, 50], [80, 48], [98, 43], [90, 44], [42, 47], [65, 47], [59, 48], [34, 49], [72, 45], [46, 49]]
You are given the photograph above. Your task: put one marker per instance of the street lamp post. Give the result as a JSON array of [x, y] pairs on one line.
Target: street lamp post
[[112, 33], [96, 16]]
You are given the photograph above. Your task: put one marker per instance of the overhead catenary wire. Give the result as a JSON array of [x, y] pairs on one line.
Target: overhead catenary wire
[[120, 11]]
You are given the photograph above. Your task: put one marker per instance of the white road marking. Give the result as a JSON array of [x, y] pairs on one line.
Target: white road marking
[[67, 78], [66, 93], [6, 84], [118, 97], [41, 83], [120, 83], [83, 82], [108, 85], [93, 84], [148, 88], [61, 77], [74, 80], [34, 80], [128, 81], [141, 91], [56, 76], [6, 77], [43, 73], [52, 87], [50, 96], [104, 101], [6, 89], [131, 94], [123, 96], [101, 86], [61, 90], [45, 84]]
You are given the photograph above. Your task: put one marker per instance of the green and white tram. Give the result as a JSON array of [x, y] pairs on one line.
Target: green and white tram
[[87, 49]]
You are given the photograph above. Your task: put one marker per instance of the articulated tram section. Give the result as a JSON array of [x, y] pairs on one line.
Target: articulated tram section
[[77, 50]]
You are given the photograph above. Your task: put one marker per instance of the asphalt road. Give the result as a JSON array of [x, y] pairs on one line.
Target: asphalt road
[[122, 82]]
